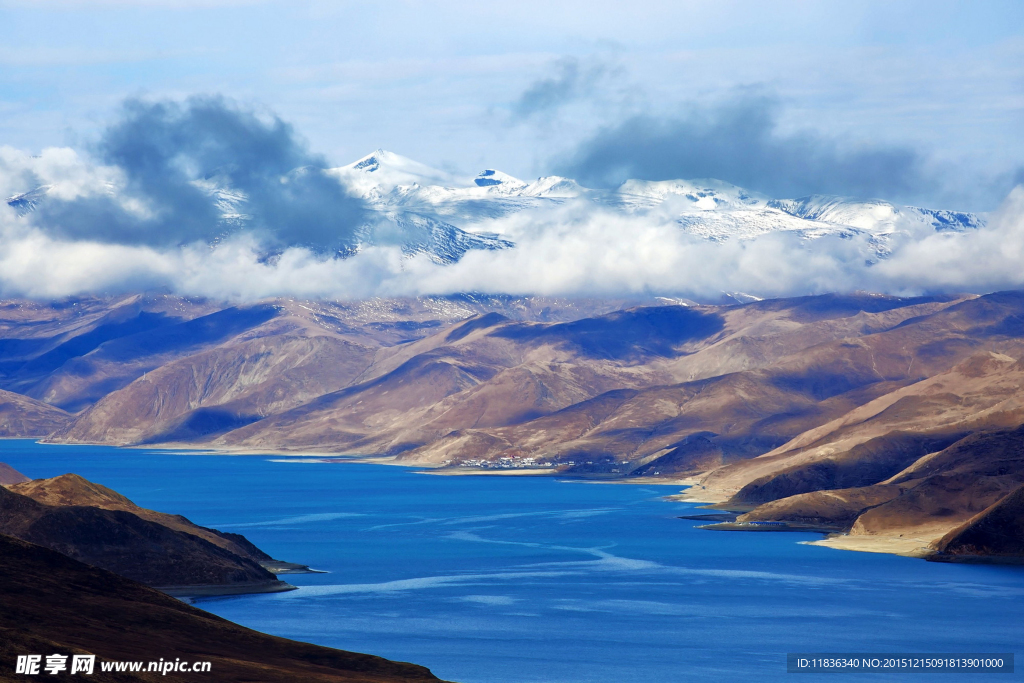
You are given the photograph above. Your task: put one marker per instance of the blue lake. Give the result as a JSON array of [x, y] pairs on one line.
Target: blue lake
[[536, 580]]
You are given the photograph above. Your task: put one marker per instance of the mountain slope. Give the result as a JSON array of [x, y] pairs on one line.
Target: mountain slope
[[996, 532], [983, 391], [293, 383], [56, 604], [9, 475], [221, 389], [74, 490], [24, 416], [130, 546], [73, 353]]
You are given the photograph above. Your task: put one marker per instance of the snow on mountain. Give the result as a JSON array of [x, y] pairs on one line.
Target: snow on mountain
[[393, 184], [228, 201], [875, 216], [743, 224], [554, 187], [703, 195], [443, 215], [947, 221], [502, 182], [381, 171], [441, 242], [27, 201]]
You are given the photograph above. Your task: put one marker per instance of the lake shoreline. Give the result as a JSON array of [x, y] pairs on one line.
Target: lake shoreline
[[220, 590], [691, 493]]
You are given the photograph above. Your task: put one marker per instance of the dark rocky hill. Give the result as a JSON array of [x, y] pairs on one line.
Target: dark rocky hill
[[74, 490], [128, 545], [55, 604]]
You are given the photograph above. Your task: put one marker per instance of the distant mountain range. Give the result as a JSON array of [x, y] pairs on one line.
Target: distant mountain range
[[896, 420], [443, 215]]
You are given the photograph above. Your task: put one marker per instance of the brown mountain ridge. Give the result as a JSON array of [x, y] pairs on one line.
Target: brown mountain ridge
[[755, 404]]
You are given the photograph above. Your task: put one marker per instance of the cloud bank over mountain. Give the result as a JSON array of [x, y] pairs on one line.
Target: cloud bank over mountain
[[210, 199], [174, 160], [740, 141]]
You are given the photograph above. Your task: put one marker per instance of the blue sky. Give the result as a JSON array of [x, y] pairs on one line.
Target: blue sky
[[448, 83]]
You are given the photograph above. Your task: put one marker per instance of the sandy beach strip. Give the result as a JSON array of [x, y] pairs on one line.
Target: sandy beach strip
[[894, 545]]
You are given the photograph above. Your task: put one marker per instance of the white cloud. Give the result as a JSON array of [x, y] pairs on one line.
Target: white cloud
[[988, 259], [576, 249], [583, 251], [61, 168]]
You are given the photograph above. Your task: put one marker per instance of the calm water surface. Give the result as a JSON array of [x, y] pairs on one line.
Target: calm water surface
[[523, 580]]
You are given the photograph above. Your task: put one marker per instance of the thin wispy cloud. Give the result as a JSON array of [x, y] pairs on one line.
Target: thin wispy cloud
[[568, 80]]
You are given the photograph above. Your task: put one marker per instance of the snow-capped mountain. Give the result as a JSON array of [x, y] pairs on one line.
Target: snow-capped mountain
[[444, 215], [390, 183], [873, 215], [707, 208], [383, 171], [27, 201]]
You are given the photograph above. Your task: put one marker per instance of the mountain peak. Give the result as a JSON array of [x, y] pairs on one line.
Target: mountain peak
[[493, 178], [554, 186], [72, 489], [386, 170], [373, 161], [27, 201]]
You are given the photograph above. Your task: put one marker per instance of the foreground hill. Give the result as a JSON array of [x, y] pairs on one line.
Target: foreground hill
[[74, 490], [127, 545], [936, 503], [96, 525], [54, 604], [756, 403]]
